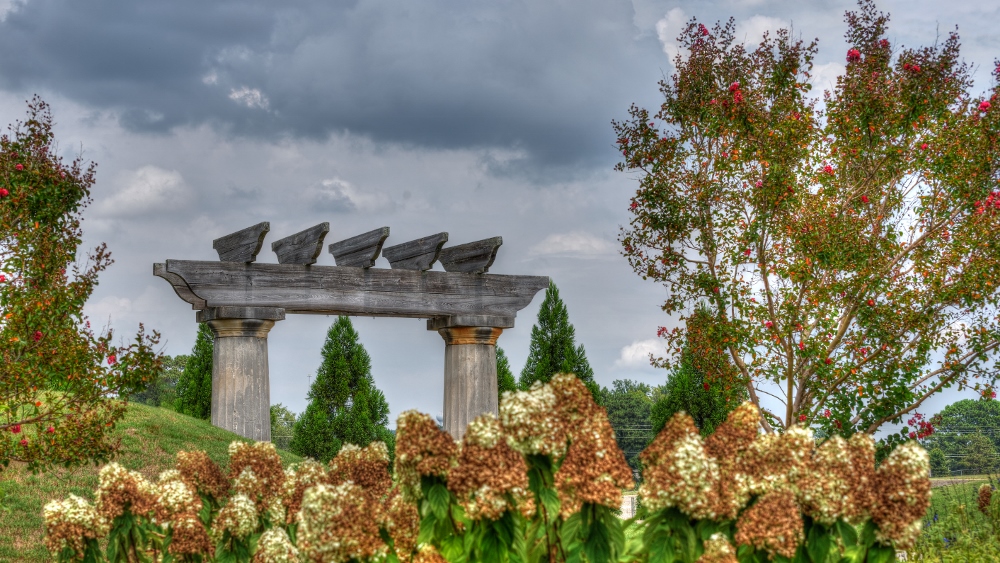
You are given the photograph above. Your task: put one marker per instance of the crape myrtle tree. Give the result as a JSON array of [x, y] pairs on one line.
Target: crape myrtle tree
[[194, 386], [848, 254], [62, 383], [553, 347], [344, 407]]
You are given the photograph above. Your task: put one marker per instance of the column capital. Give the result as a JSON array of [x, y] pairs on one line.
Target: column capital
[[228, 328], [460, 335], [265, 313], [438, 323]]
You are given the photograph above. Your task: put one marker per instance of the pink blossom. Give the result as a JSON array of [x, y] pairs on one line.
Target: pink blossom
[[50, 430], [828, 169], [826, 413], [802, 418], [705, 385], [3, 278], [768, 324], [913, 435], [4, 192], [19, 166], [24, 441], [702, 29], [864, 199], [660, 331], [734, 86], [16, 429], [737, 97], [984, 105], [758, 184], [633, 206], [853, 55], [746, 252], [924, 146], [37, 336], [828, 361], [802, 345], [884, 43], [112, 359]]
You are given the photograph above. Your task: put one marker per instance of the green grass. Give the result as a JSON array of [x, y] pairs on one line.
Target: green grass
[[149, 437]]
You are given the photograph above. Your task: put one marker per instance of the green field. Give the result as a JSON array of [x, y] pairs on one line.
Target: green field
[[149, 439]]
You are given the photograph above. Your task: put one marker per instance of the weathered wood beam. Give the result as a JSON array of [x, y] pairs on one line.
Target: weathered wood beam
[[360, 251], [417, 254], [243, 245], [303, 247], [336, 290], [471, 257], [180, 286]]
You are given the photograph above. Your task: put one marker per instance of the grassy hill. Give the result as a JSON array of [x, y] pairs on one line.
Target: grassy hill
[[149, 439]]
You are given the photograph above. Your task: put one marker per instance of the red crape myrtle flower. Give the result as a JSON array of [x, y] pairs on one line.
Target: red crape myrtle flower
[[4, 192], [16, 429], [112, 359], [37, 336], [18, 167], [984, 106], [853, 55]]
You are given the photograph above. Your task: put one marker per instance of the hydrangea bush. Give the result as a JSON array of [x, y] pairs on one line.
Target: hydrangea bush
[[541, 483]]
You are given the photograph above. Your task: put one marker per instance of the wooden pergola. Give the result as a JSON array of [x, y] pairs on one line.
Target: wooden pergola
[[241, 300]]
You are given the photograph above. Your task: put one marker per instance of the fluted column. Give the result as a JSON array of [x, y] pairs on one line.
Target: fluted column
[[470, 369], [241, 393]]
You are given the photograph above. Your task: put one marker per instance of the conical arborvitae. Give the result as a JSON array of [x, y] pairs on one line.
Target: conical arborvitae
[[345, 407], [505, 377], [553, 348], [194, 387]]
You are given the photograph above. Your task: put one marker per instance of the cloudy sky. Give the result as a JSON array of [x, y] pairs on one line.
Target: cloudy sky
[[479, 118]]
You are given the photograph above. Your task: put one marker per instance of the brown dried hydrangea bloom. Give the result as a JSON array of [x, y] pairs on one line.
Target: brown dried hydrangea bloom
[[71, 522], [862, 492], [339, 523], [594, 469], [203, 474], [189, 536], [729, 446], [121, 490], [428, 554], [238, 517], [490, 478], [173, 497], [718, 550], [904, 493], [422, 449], [985, 496], [824, 491], [298, 478], [262, 459], [773, 524], [531, 423], [274, 546], [402, 521], [679, 471], [778, 461], [367, 467]]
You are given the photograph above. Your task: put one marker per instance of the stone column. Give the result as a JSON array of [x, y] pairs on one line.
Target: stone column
[[241, 393], [470, 368]]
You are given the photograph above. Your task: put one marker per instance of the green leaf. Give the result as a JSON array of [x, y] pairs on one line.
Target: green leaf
[[661, 547], [848, 534], [438, 499], [881, 554], [868, 534], [819, 543], [571, 528], [550, 500]]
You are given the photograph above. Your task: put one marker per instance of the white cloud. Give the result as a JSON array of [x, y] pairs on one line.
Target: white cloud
[[211, 79], [637, 353], [249, 97], [8, 6], [577, 244], [336, 194], [146, 190], [824, 77], [667, 30], [751, 30]]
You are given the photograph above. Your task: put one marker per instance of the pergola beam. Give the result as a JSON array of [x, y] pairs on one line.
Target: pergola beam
[[340, 290]]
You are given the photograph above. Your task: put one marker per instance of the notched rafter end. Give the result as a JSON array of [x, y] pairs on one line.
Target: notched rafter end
[[303, 247], [419, 254], [471, 257], [243, 245], [360, 251]]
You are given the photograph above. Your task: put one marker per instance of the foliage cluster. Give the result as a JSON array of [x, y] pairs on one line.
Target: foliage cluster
[[62, 383], [553, 347], [542, 483], [966, 437], [345, 406], [847, 254], [194, 386], [162, 391]]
